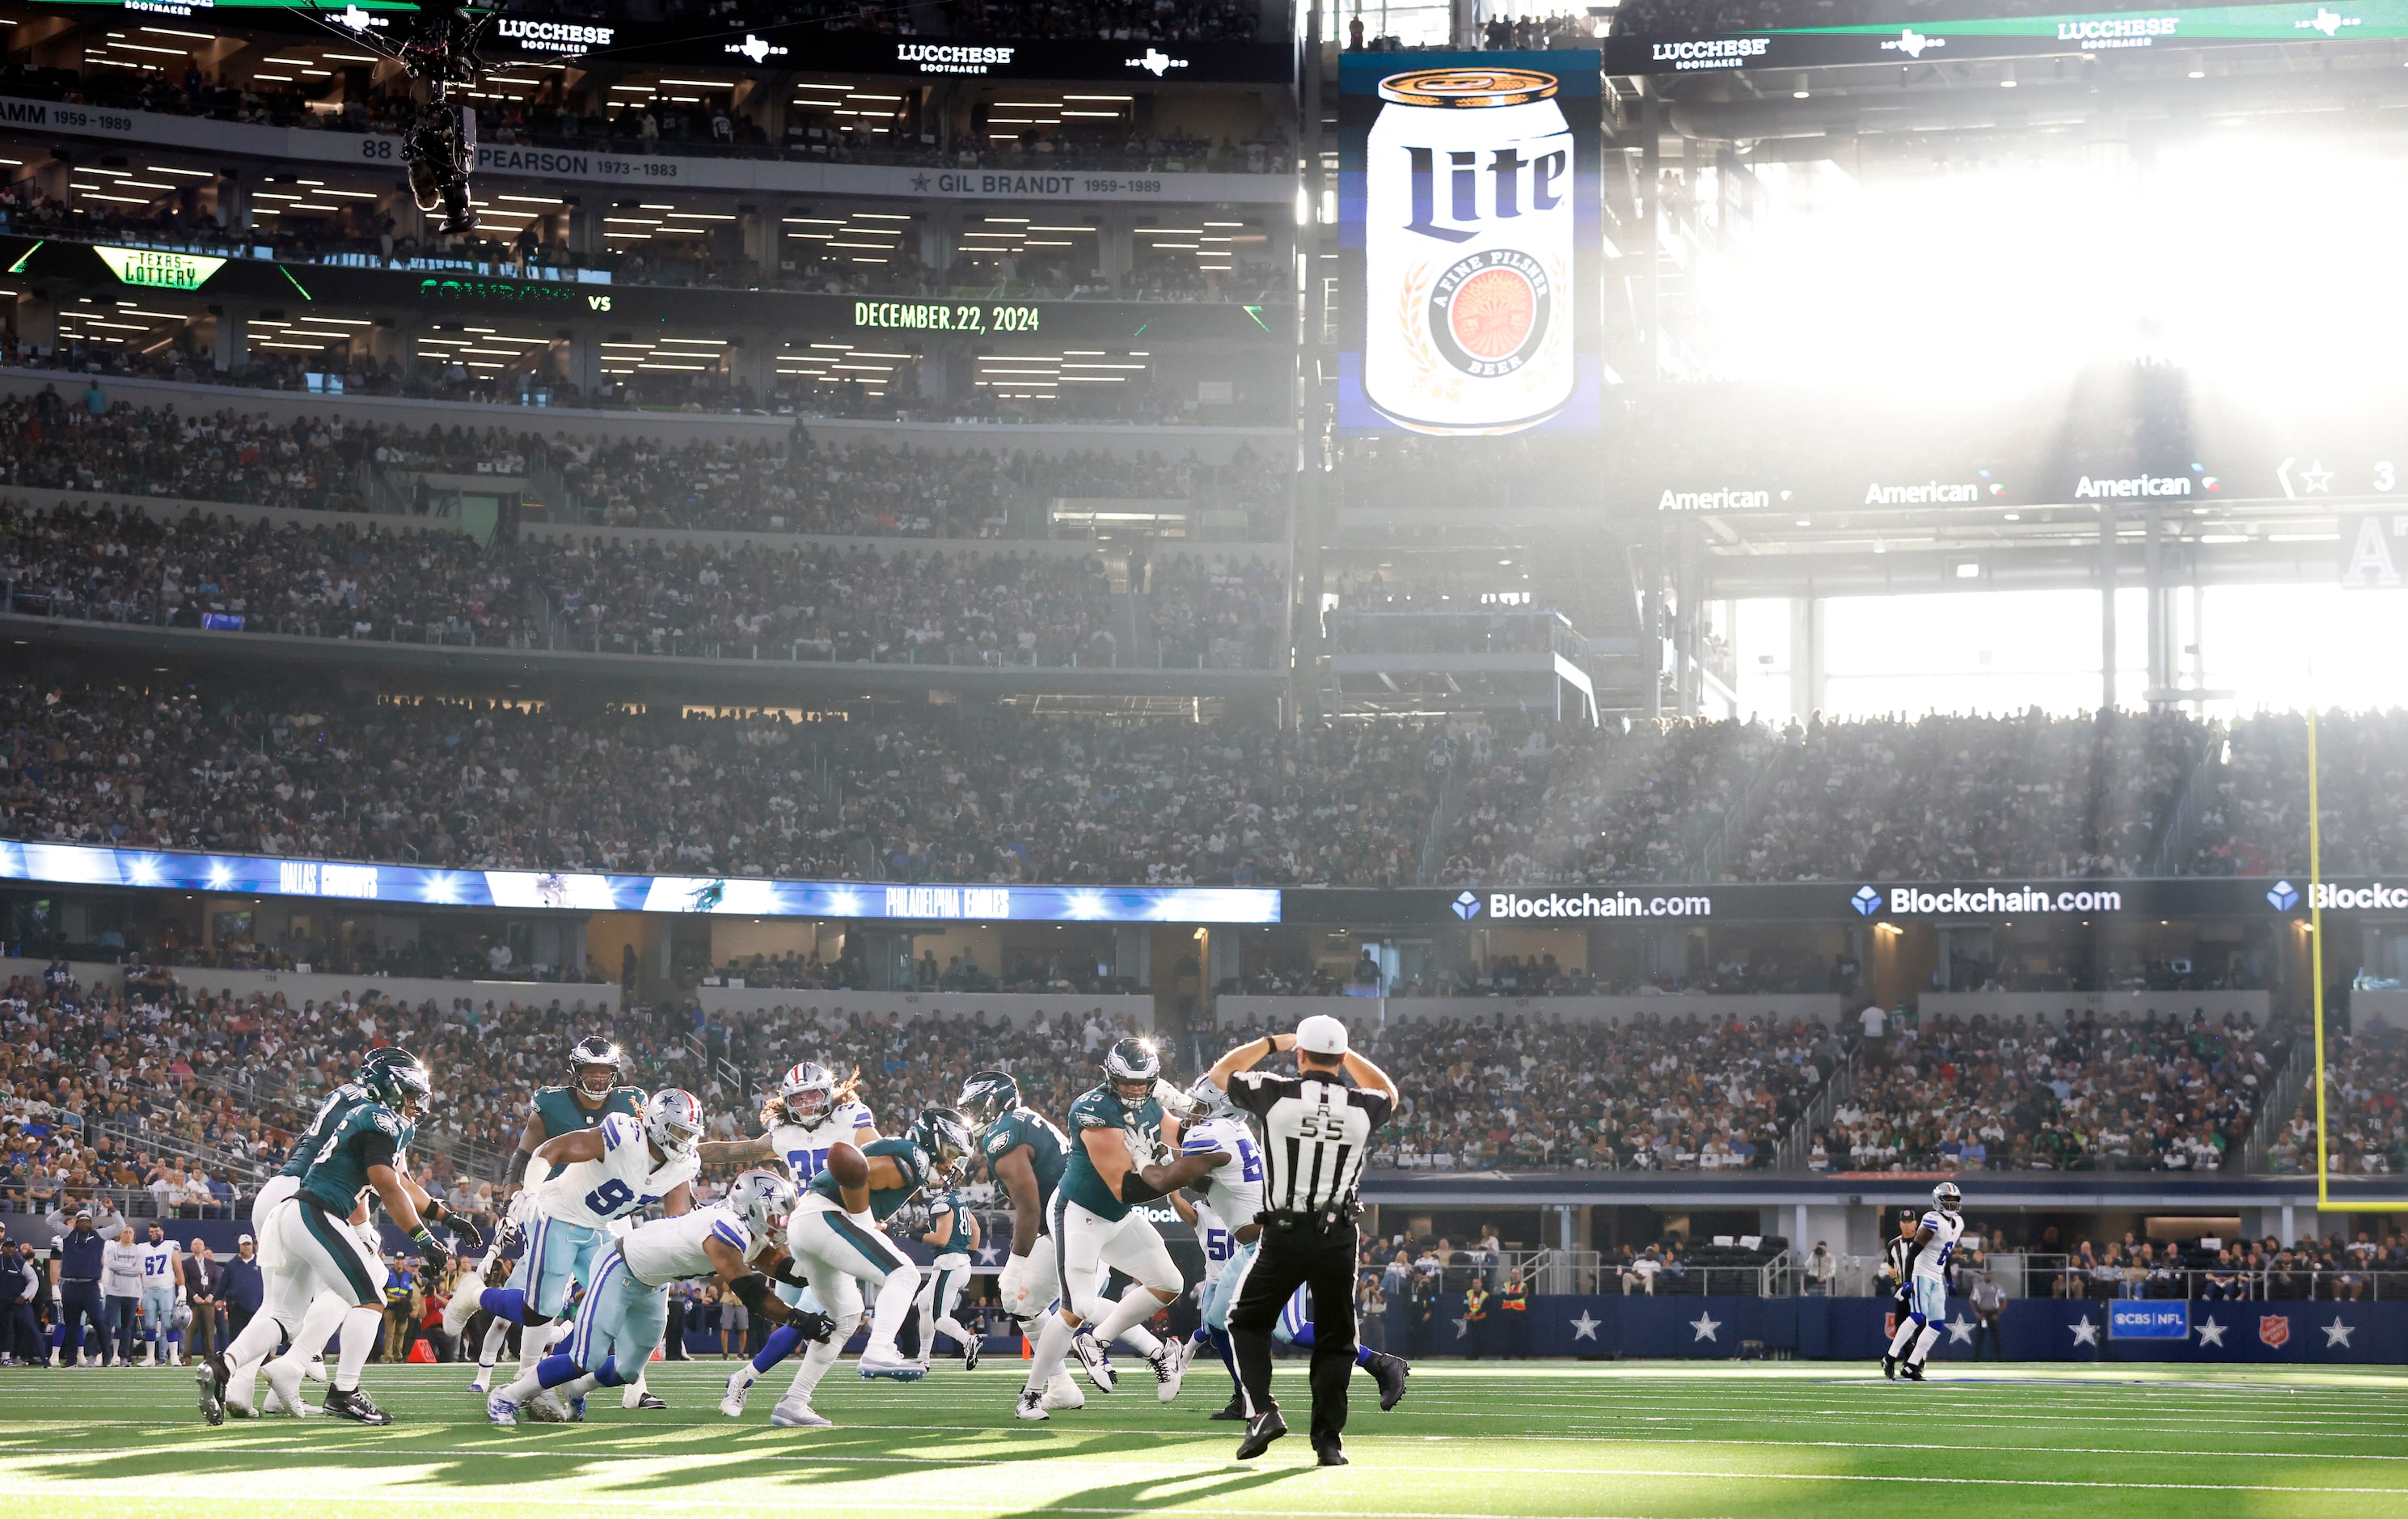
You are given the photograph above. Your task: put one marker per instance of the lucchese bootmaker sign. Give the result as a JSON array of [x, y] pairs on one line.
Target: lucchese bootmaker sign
[[1467, 235], [162, 270]]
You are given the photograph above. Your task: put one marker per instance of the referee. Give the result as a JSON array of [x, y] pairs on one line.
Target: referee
[[1316, 1132]]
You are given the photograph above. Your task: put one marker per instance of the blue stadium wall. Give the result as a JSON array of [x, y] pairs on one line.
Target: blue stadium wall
[[1856, 1329]]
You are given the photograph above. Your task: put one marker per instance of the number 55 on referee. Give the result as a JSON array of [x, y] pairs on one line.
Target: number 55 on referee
[[1316, 1132]]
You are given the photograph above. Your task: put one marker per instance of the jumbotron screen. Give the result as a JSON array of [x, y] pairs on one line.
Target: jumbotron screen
[[1470, 253]]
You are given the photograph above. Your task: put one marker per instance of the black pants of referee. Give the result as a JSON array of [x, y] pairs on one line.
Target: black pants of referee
[[1301, 1256]]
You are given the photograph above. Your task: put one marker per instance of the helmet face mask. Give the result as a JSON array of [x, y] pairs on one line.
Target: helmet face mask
[[1946, 1198], [945, 1134], [807, 1093], [987, 1096], [596, 1055], [673, 1121], [1206, 1100], [404, 1086], [764, 1199], [1131, 1067]]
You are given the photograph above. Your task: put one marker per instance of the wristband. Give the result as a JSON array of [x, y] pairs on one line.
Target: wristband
[[1136, 1189], [516, 1174], [753, 1289]]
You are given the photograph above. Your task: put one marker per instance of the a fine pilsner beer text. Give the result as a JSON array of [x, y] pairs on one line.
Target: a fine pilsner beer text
[[1467, 224]]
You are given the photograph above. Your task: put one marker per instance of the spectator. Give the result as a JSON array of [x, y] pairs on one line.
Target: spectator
[[1989, 1306], [1822, 1268], [204, 1283], [120, 1286], [243, 1289]]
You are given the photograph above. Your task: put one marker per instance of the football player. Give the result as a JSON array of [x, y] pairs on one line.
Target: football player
[[596, 1072], [307, 1356], [951, 1234], [1116, 1130], [319, 1248], [626, 1309], [1026, 1154], [1923, 1290], [811, 1115], [595, 1177], [838, 1245]]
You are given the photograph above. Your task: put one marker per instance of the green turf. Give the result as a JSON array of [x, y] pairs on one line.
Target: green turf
[[1538, 1438]]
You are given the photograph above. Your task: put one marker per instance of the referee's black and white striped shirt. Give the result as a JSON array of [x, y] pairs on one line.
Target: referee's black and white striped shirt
[[1315, 1137], [1901, 1246]]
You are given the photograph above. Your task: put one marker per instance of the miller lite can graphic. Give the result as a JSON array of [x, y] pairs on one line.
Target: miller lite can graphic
[[1468, 238]]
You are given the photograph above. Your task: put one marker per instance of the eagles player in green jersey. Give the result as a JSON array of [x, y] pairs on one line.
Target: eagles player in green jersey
[[951, 1234], [306, 1359], [319, 1248], [1117, 1128], [597, 1070], [1024, 1152]]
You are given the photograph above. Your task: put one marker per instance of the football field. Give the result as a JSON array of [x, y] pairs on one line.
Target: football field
[[1468, 1442]]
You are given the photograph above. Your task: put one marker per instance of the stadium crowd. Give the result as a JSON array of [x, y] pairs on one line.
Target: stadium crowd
[[2366, 1128], [935, 797], [2255, 820], [796, 484], [2151, 1094], [604, 595], [1941, 797]]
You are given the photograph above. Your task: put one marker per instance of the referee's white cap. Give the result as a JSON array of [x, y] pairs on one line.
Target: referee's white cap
[[1321, 1035]]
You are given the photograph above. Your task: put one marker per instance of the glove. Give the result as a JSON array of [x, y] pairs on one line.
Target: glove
[[471, 1238], [816, 1327], [1011, 1287], [1904, 1296], [430, 1250]]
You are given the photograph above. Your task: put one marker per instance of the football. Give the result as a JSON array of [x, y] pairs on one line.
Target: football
[[850, 1168]]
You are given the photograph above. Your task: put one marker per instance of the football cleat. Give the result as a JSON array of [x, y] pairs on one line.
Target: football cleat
[[1031, 1405], [1235, 1409], [1390, 1372], [502, 1410], [1331, 1456], [355, 1406], [1091, 1356], [1062, 1394], [642, 1398], [468, 1295], [577, 1409], [896, 1367], [1912, 1373], [315, 1370], [1169, 1365], [285, 1388], [1265, 1428], [211, 1373], [545, 1407], [739, 1387], [971, 1353], [482, 1382], [1889, 1368], [790, 1414]]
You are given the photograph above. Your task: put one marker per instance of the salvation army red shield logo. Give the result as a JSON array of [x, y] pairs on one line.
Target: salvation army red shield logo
[[2275, 1330]]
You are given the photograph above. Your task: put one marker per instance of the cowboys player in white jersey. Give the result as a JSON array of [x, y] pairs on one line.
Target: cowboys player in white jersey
[[605, 1173], [626, 1309], [811, 1115], [1225, 1218], [1923, 1294]]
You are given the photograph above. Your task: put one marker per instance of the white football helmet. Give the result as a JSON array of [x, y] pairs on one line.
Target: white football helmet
[[673, 1121], [763, 1199], [808, 1081], [1206, 1100]]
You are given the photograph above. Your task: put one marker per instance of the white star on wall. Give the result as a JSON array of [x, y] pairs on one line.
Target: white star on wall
[[1960, 1330], [1584, 1327], [1462, 1328], [2211, 1333], [1705, 1324], [2086, 1333], [2337, 1333]]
